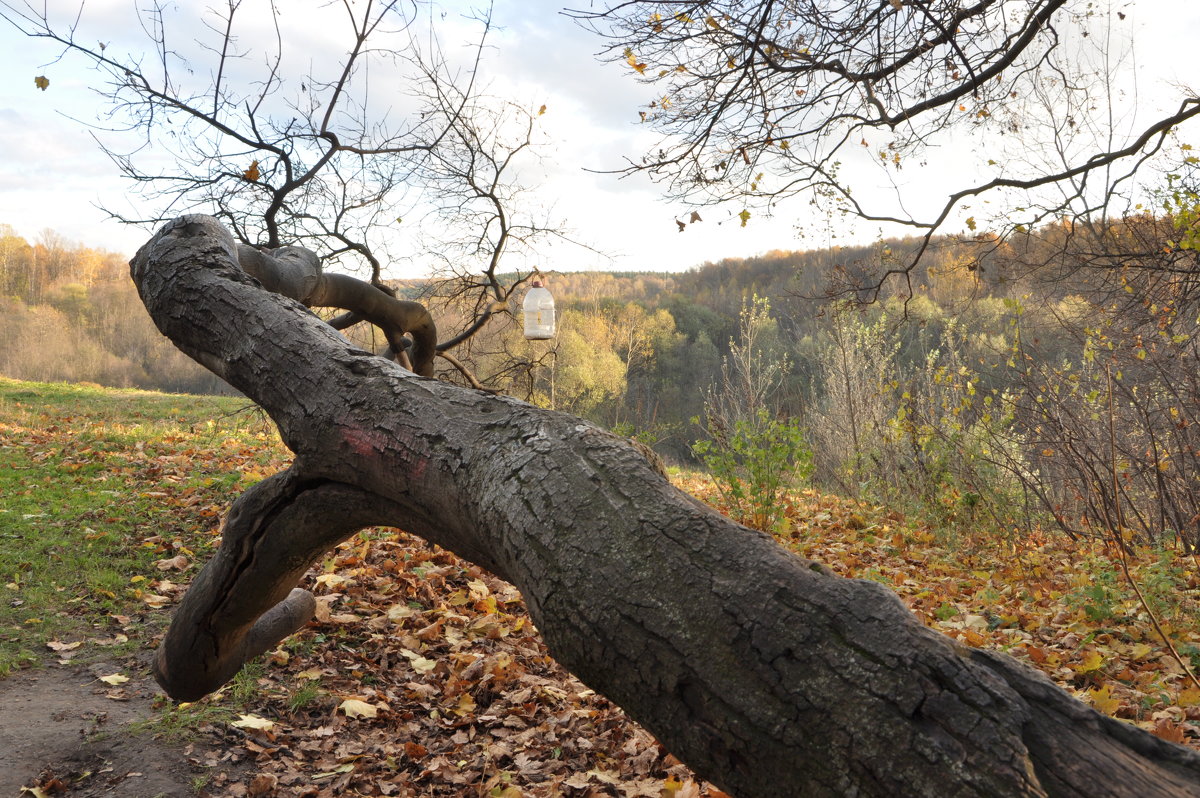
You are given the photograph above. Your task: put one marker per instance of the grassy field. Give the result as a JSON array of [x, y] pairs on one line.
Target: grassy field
[[98, 487]]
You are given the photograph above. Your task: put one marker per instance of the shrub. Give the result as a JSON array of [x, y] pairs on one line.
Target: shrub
[[754, 464]]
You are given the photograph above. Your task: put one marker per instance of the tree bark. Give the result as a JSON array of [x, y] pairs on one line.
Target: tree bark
[[296, 273], [764, 672]]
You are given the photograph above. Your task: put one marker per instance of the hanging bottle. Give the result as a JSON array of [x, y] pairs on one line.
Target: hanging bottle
[[539, 312]]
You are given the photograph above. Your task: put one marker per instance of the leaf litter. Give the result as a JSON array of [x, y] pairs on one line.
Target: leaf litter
[[422, 675], [1058, 605]]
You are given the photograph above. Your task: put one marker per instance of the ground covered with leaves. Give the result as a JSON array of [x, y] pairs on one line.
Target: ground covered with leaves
[[422, 675]]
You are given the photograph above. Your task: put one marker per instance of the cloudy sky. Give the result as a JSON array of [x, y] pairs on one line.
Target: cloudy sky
[[52, 175]]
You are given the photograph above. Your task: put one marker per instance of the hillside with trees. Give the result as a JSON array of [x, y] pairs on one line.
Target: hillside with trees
[[944, 395], [71, 314]]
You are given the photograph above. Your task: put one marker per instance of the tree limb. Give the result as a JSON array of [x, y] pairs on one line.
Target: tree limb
[[763, 671]]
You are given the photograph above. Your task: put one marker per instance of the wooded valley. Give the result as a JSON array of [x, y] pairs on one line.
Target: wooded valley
[[1051, 379]]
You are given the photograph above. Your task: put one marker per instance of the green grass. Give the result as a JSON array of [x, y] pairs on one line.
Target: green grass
[[97, 485], [176, 723]]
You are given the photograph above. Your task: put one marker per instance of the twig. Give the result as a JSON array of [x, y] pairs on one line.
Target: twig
[[1118, 534]]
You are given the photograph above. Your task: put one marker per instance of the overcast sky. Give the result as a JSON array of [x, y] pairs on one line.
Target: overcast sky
[[52, 175]]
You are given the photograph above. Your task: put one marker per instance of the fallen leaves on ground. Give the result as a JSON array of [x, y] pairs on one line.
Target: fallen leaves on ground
[[422, 675]]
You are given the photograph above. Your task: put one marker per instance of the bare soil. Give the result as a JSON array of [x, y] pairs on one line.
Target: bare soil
[[63, 732]]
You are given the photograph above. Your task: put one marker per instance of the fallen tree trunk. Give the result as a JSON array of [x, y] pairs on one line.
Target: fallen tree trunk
[[762, 671]]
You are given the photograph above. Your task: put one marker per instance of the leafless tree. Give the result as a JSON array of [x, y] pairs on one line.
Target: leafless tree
[[762, 100], [344, 158]]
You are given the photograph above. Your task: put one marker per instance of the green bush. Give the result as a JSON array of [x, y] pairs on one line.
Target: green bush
[[754, 464]]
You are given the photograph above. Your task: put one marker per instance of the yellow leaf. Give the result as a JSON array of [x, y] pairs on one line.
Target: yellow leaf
[[1189, 697], [970, 222], [55, 645], [1092, 661], [419, 664], [671, 785], [252, 722], [357, 709], [507, 791], [973, 638], [1103, 700], [114, 679], [541, 110], [744, 216], [466, 705], [398, 612], [42, 82], [252, 174]]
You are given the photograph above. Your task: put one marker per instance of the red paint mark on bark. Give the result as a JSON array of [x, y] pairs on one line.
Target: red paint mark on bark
[[418, 467], [372, 443], [364, 442]]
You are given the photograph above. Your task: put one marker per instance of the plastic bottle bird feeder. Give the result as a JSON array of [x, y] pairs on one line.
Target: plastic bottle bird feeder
[[539, 312]]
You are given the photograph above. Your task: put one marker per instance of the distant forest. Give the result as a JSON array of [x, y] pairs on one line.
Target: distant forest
[[636, 349], [72, 314], [1011, 378]]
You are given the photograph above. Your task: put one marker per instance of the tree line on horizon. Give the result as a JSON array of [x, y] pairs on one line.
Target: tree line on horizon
[[72, 314], [1014, 379]]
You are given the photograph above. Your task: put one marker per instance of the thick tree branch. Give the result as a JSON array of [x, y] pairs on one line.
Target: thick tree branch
[[764, 672], [296, 273]]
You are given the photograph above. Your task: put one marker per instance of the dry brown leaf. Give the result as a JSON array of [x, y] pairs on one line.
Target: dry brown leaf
[[354, 708]]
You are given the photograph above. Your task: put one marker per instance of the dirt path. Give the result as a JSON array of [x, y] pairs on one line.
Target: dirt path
[[66, 733]]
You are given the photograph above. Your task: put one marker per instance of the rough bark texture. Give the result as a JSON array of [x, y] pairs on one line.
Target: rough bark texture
[[764, 672]]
